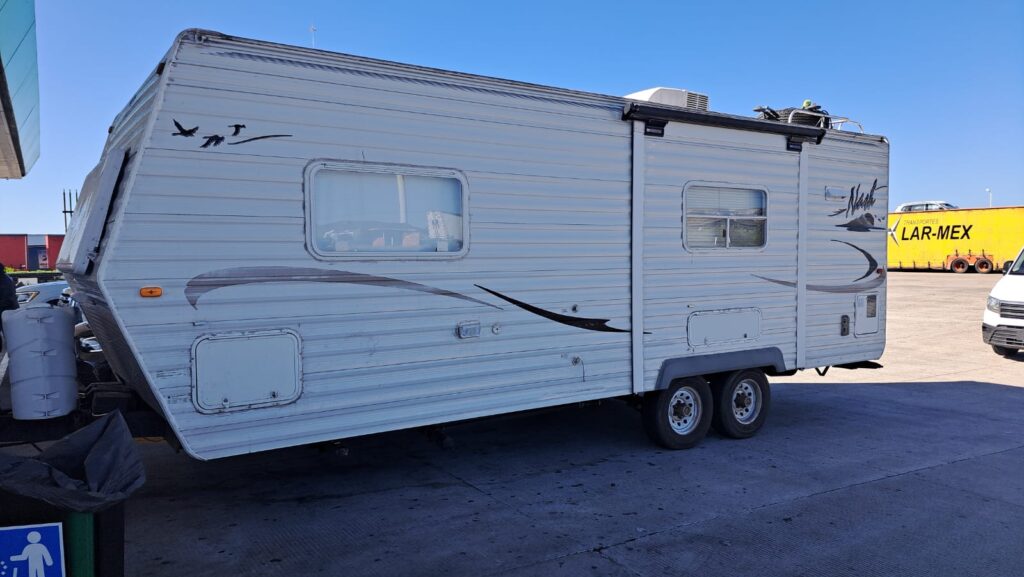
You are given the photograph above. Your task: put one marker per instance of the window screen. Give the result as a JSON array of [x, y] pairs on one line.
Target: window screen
[[717, 217], [383, 209]]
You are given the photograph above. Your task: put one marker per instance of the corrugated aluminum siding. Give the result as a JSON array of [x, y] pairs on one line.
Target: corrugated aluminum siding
[[680, 281], [844, 162], [128, 131], [549, 185]]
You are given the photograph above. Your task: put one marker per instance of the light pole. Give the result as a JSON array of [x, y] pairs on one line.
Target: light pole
[[989, 191], [312, 31]]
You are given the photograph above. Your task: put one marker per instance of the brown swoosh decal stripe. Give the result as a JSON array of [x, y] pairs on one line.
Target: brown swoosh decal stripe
[[821, 288], [227, 277], [853, 287]]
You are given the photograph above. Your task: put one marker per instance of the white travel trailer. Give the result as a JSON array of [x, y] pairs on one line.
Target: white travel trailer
[[284, 246]]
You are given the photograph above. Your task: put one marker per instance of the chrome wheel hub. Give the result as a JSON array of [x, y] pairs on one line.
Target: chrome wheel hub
[[684, 411], [746, 402]]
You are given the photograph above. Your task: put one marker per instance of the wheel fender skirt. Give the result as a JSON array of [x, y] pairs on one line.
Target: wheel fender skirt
[[682, 367]]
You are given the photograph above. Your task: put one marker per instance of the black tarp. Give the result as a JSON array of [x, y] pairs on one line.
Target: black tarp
[[89, 470]]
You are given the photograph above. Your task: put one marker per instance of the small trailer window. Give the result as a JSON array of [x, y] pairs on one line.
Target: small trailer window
[[361, 209], [724, 217]]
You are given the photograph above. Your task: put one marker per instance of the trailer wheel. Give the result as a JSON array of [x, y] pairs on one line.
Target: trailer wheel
[[679, 416], [1004, 351], [742, 399], [983, 265], [959, 265]]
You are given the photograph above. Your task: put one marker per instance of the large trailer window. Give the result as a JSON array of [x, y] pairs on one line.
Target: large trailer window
[[724, 217], [361, 209]]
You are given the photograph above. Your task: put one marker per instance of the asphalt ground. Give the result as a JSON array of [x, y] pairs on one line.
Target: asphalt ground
[[913, 469]]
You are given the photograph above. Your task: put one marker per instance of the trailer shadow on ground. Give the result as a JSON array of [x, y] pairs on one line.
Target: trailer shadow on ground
[[906, 468]]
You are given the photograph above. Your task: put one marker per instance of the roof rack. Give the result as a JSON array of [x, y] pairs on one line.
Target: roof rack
[[836, 122]]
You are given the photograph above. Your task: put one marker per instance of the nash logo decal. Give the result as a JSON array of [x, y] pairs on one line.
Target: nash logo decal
[[859, 201]]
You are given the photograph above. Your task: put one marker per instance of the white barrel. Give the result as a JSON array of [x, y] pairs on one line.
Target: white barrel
[[41, 348]]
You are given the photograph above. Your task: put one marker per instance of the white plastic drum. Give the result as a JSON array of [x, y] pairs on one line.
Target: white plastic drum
[[40, 344]]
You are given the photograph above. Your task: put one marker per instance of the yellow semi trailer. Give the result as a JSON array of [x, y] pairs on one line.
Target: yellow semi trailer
[[986, 239]]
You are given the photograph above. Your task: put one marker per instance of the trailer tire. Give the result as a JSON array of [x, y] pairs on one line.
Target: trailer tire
[[679, 416], [983, 266], [742, 399], [1004, 351], [959, 265]]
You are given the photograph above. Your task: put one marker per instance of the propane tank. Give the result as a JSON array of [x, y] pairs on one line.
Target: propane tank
[[41, 350]]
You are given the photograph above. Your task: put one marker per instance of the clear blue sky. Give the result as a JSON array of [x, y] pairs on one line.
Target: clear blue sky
[[943, 80]]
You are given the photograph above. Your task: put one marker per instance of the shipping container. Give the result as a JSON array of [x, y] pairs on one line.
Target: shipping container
[[984, 239]]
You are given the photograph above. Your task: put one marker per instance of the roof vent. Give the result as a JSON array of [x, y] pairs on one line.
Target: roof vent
[[672, 97]]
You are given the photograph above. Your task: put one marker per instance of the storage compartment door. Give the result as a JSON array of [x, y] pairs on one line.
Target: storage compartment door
[[236, 371], [866, 320], [707, 328]]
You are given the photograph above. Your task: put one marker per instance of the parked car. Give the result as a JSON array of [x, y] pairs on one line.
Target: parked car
[[1003, 324], [45, 292], [920, 205]]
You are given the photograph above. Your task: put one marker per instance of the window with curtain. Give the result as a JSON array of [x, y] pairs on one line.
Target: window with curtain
[[385, 209], [719, 217]]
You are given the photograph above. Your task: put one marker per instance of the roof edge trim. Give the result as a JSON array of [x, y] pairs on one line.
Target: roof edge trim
[[642, 111]]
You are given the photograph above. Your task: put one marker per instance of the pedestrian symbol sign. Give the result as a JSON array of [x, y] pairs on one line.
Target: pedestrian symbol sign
[[32, 551]]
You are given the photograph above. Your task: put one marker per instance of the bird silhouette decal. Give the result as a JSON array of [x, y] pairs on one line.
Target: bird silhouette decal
[[212, 140], [182, 131]]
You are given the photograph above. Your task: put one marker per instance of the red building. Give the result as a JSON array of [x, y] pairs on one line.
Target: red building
[[30, 251]]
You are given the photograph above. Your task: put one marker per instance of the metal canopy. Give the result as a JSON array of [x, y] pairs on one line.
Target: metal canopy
[[19, 88]]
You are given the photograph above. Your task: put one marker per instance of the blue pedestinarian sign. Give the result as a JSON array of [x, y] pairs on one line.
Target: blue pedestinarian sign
[[32, 551]]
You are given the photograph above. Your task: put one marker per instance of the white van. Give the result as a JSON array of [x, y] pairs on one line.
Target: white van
[[1003, 326]]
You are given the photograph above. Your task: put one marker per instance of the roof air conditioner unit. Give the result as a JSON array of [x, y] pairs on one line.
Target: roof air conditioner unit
[[672, 97]]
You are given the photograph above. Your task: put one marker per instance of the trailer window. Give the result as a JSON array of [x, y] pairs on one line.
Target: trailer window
[[724, 217], [357, 209]]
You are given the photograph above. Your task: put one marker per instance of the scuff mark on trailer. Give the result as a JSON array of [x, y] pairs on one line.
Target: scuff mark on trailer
[[600, 325], [211, 281]]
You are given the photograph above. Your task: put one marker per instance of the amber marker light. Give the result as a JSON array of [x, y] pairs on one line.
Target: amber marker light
[[151, 292]]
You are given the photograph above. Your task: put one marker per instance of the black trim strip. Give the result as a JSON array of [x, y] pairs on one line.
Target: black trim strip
[[600, 325], [641, 111], [211, 281]]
